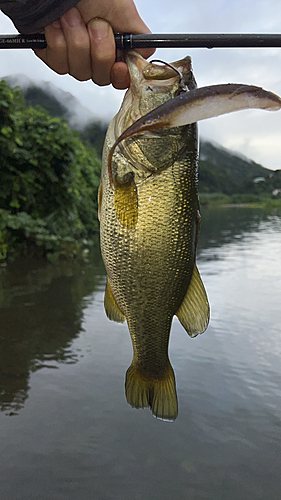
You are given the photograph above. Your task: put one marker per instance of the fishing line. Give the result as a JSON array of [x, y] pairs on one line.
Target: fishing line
[[183, 87]]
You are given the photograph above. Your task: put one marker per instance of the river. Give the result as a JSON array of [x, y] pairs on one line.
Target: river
[[66, 430]]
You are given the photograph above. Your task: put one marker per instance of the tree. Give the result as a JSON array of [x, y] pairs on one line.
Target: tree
[[48, 181]]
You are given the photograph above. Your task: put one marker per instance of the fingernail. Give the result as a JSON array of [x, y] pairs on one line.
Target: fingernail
[[99, 29], [72, 17]]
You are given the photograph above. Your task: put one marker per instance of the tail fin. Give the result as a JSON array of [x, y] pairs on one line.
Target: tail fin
[[159, 395]]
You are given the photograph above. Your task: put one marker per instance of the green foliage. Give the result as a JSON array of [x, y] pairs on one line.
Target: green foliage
[[221, 171], [49, 181], [214, 199], [94, 133], [35, 95], [212, 179], [239, 169], [240, 199]]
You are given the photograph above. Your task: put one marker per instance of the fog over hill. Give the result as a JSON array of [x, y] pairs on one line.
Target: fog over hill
[[236, 165], [63, 104], [221, 170], [56, 101]]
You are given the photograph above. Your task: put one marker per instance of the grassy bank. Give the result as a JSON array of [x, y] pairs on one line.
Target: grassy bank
[[244, 200]]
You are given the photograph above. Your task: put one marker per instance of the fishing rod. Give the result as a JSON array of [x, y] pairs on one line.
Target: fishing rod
[[127, 41]]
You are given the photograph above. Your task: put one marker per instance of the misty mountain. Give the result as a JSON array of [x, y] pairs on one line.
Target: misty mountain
[[56, 101], [59, 103], [220, 169], [236, 165], [226, 171]]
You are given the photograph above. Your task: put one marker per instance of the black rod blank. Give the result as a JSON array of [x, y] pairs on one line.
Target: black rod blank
[[205, 40], [127, 41], [35, 41]]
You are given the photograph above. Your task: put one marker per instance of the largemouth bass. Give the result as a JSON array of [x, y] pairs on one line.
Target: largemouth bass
[[150, 219]]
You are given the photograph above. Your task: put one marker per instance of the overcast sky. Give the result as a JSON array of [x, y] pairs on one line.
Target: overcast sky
[[256, 134]]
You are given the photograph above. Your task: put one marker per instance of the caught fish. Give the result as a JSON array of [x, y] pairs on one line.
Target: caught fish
[[150, 219], [200, 104]]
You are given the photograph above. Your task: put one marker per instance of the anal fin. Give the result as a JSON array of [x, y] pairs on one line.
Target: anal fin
[[194, 312], [111, 308]]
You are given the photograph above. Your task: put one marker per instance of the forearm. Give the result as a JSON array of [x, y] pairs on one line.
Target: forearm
[[32, 16]]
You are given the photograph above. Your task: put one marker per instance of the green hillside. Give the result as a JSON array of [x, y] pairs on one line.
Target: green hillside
[[35, 95], [233, 164], [220, 170], [93, 133], [224, 171], [214, 179], [49, 183]]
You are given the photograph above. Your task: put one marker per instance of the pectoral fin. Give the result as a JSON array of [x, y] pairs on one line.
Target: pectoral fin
[[111, 308], [126, 203], [194, 312]]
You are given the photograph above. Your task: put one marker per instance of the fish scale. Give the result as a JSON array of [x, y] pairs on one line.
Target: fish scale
[[150, 266], [149, 217]]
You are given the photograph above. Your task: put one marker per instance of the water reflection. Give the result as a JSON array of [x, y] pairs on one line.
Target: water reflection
[[222, 226], [76, 438], [42, 305], [41, 314]]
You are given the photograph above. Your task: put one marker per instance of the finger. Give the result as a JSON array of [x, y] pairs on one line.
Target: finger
[[78, 45], [120, 77], [55, 55], [130, 21], [122, 16], [102, 50]]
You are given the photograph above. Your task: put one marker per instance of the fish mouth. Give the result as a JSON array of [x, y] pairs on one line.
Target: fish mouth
[[143, 72], [168, 70]]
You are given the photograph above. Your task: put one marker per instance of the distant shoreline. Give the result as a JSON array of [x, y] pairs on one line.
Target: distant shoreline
[[238, 201]]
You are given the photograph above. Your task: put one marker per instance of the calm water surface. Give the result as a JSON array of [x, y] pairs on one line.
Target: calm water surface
[[66, 431]]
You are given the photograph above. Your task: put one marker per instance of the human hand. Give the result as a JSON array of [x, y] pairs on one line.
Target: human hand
[[82, 44]]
